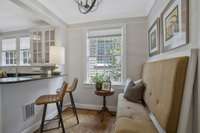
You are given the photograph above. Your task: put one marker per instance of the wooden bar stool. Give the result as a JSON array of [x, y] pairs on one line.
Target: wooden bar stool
[[69, 90], [49, 99]]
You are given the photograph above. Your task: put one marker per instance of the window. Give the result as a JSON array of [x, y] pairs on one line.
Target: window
[[9, 51], [105, 54], [24, 50], [27, 48]]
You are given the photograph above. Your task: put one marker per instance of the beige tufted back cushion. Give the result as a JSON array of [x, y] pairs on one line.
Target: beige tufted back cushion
[[164, 81]]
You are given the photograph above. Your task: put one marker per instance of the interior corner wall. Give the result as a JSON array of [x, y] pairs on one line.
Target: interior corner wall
[[1, 110], [136, 55], [156, 11], [198, 21], [61, 39]]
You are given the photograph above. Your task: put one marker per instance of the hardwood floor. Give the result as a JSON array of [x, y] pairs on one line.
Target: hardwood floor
[[90, 122]]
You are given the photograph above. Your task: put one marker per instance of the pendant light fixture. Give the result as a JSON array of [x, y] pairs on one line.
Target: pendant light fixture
[[86, 6]]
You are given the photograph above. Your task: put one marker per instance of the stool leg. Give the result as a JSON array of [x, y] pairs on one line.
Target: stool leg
[[60, 116], [74, 107], [61, 106], [43, 118]]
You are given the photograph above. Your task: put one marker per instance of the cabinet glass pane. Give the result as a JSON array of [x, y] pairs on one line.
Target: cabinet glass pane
[[52, 44], [39, 47], [52, 35], [46, 35], [47, 58], [49, 42], [39, 57], [34, 57]]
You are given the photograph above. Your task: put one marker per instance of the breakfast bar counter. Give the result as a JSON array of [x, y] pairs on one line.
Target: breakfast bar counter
[[11, 80], [17, 94]]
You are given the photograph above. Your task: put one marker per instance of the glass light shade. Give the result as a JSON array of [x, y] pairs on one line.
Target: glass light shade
[[57, 55]]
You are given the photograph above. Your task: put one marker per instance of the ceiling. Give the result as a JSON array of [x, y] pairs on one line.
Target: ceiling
[[67, 10], [14, 18]]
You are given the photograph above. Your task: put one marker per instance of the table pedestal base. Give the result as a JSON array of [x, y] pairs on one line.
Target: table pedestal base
[[104, 109]]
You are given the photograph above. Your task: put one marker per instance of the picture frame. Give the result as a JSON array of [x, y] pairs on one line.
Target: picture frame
[[175, 25], [154, 38], [106, 86]]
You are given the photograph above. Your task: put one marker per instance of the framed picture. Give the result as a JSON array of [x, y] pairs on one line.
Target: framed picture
[[175, 25], [106, 86], [154, 38]]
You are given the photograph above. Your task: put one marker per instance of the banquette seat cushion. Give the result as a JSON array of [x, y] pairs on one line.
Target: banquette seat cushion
[[132, 117]]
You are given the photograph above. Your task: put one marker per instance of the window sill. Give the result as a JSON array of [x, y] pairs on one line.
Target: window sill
[[8, 65], [114, 85]]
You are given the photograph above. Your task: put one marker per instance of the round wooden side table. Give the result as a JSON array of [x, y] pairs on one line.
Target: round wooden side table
[[104, 94]]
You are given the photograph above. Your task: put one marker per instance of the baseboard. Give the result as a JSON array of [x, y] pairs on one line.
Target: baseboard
[[36, 125], [95, 107]]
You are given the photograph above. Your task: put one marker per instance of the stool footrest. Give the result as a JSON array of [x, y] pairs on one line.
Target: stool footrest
[[46, 130], [53, 119]]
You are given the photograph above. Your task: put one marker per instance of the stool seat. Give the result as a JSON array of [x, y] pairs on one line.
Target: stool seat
[[46, 99]]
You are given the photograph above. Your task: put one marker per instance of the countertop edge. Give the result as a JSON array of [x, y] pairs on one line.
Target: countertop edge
[[32, 79]]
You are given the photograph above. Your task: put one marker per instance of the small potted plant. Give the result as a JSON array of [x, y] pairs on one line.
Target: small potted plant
[[98, 79]]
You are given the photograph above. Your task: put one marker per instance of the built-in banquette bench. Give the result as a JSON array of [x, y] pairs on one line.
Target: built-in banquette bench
[[164, 82]]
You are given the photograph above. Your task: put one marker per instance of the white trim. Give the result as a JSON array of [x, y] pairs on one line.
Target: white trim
[[124, 46], [124, 54], [92, 86], [37, 8], [156, 123], [184, 51], [17, 35], [94, 107], [36, 125]]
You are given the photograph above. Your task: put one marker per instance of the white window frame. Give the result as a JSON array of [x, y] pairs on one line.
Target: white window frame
[[24, 58], [21, 34], [10, 51], [29, 52], [123, 56], [9, 57], [16, 36]]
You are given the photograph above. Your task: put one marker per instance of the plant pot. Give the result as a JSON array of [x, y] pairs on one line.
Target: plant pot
[[98, 86]]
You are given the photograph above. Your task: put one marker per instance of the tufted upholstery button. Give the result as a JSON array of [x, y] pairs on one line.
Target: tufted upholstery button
[[133, 117], [130, 116], [150, 93], [157, 101]]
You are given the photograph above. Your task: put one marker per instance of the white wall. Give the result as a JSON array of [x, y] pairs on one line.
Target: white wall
[[185, 50], [61, 39], [76, 53]]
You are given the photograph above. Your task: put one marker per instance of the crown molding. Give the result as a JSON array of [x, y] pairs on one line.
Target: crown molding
[[38, 9]]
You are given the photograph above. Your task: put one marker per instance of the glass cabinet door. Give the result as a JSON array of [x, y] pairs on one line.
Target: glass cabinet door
[[41, 41], [49, 41], [37, 47]]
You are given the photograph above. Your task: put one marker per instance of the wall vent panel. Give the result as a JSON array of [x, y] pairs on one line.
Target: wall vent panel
[[28, 111]]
